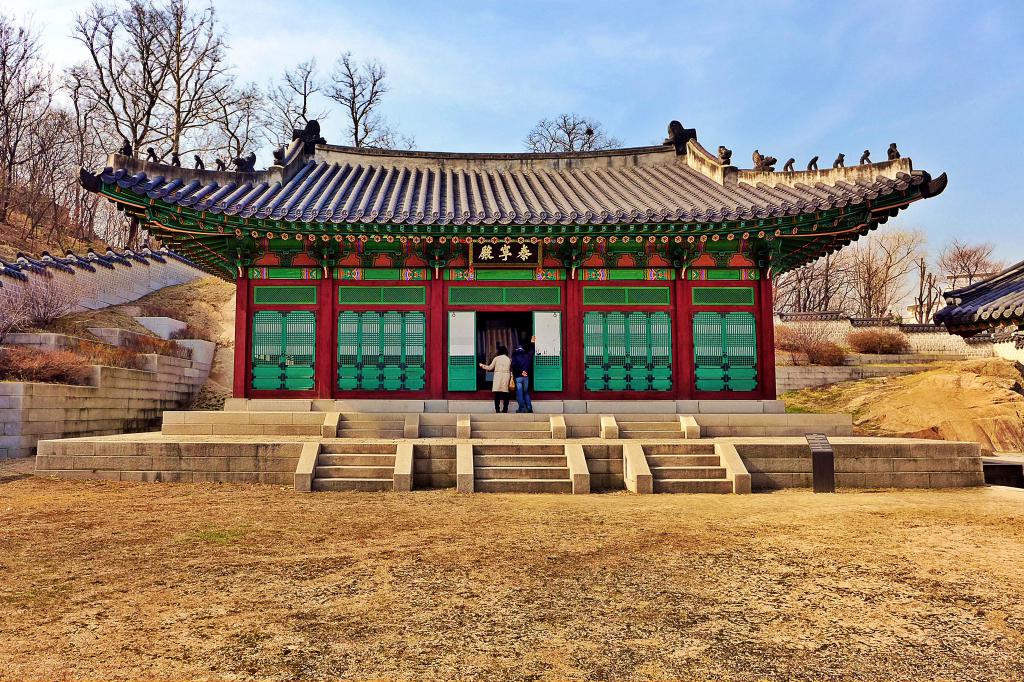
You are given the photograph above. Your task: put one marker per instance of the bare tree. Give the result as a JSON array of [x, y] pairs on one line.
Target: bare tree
[[359, 89], [193, 47], [963, 264], [126, 72], [929, 293], [289, 104], [569, 133], [238, 119], [820, 286], [25, 97], [881, 264]]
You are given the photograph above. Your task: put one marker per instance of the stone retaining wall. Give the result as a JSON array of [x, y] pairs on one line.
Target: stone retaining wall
[[175, 462], [871, 463], [117, 401], [797, 377]]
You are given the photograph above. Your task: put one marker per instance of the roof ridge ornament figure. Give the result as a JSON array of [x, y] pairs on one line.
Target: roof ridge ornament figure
[[763, 163], [221, 166], [724, 155], [245, 164], [812, 165], [175, 159], [151, 155], [893, 153], [199, 163], [678, 136], [126, 148], [310, 136], [788, 168], [865, 158], [840, 161]]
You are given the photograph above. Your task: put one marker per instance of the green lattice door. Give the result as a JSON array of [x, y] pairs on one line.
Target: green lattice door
[[627, 351], [283, 350], [547, 360], [725, 351], [382, 350], [462, 351]]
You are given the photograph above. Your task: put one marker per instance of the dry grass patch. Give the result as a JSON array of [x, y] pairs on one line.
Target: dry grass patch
[[120, 580]]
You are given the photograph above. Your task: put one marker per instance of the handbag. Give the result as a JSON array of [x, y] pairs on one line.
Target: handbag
[[511, 383]]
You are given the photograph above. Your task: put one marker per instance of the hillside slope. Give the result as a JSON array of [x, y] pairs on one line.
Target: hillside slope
[[972, 400]]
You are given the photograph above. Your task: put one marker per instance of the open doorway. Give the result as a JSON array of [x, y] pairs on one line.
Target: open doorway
[[493, 328]]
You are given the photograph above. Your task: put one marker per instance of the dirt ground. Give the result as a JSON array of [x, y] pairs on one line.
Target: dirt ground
[[158, 581], [971, 400]]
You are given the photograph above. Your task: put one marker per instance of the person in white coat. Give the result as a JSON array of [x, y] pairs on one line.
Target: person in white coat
[[501, 365]]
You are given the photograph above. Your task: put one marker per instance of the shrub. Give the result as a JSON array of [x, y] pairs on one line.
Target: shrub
[[809, 344], [878, 341], [19, 363], [109, 356], [154, 344], [191, 332]]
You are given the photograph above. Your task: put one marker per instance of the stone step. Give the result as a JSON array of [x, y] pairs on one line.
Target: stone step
[[643, 426], [509, 435], [355, 459], [371, 433], [354, 471], [682, 460], [330, 447], [499, 460], [686, 448], [692, 485], [505, 473], [528, 485], [510, 425], [519, 449], [367, 484], [362, 423], [687, 472], [650, 435]]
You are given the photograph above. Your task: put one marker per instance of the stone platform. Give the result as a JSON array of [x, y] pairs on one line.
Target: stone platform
[[557, 453]]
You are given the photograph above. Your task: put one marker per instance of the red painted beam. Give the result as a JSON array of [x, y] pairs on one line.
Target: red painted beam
[[241, 374]]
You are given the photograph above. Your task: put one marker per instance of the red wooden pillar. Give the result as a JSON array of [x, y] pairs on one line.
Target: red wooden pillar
[[572, 345], [326, 342], [683, 341], [437, 353], [242, 351], [766, 344]]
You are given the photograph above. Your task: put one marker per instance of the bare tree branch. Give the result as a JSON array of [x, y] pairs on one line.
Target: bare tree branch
[[569, 133]]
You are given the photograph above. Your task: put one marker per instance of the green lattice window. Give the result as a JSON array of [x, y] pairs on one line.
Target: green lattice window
[[285, 295], [400, 295], [283, 350], [723, 296], [527, 295], [625, 296], [627, 351], [382, 350], [725, 351]]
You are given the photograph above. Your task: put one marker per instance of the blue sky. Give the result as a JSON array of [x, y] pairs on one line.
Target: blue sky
[[945, 80]]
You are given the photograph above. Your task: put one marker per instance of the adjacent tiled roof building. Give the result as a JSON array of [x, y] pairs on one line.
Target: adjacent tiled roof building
[[994, 302]]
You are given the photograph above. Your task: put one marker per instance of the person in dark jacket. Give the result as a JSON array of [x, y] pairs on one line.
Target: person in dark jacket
[[522, 366]]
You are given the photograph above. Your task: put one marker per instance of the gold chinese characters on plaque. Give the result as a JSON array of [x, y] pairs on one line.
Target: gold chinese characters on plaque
[[505, 254]]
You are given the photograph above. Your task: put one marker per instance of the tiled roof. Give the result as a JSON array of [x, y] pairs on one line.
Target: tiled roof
[[992, 302], [655, 184], [72, 262]]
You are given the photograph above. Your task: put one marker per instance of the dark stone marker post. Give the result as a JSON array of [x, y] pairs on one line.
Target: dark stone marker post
[[823, 463]]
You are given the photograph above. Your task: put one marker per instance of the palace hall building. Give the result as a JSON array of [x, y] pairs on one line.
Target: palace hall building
[[643, 273]]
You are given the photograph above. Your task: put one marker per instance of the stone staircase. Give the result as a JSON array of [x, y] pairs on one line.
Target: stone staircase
[[653, 427], [687, 468], [521, 468], [369, 425], [509, 426], [361, 466]]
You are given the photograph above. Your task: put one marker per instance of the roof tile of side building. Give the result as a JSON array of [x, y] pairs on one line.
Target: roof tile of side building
[[657, 184], [996, 301]]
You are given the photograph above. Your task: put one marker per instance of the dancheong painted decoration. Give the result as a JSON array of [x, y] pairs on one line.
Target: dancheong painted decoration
[[642, 272]]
